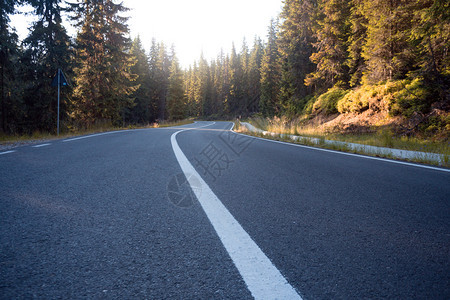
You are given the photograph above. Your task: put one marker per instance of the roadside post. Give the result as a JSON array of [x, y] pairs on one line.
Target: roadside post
[[59, 80]]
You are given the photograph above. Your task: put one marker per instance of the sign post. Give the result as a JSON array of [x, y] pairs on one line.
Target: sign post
[[59, 80]]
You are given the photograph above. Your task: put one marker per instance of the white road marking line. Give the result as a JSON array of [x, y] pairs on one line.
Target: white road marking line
[[262, 278], [6, 152], [41, 145], [117, 131], [92, 135], [346, 153]]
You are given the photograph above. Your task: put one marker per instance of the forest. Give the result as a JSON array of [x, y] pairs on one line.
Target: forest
[[320, 57]]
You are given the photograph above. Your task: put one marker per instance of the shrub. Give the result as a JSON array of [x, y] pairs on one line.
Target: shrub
[[409, 97], [308, 109], [356, 100], [326, 103]]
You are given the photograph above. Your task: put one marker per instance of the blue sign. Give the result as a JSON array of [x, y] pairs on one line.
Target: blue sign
[[62, 79]]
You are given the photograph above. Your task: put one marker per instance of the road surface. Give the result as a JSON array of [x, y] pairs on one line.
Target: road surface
[[112, 216]]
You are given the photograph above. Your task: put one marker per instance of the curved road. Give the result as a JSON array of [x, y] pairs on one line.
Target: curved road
[[112, 216]]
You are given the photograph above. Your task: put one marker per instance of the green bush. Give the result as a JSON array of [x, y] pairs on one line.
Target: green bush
[[356, 100], [326, 103], [400, 97], [308, 108], [409, 97]]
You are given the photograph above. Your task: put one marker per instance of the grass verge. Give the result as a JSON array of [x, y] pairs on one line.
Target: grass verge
[[380, 138], [320, 143]]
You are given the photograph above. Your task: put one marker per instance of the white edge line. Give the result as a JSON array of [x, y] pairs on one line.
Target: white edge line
[[41, 145], [6, 152], [262, 278], [348, 154]]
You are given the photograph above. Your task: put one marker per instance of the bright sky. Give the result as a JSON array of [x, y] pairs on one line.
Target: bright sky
[[193, 26]]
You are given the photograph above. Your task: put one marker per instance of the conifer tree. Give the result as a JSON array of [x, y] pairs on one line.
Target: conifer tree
[[244, 60], [143, 111], [154, 73], [430, 34], [357, 39], [295, 44], [213, 88], [47, 48], [10, 107], [203, 94], [190, 91], [104, 82], [162, 80], [270, 75], [387, 39], [236, 95], [175, 94], [332, 31], [254, 76]]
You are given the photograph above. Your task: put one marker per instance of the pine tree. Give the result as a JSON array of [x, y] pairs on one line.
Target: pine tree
[[162, 80], [219, 84], [203, 95], [244, 60], [236, 95], [175, 95], [104, 82], [254, 76], [387, 50], [143, 112], [10, 107], [356, 62], [190, 91], [430, 35], [332, 31], [270, 75], [295, 44], [48, 48], [213, 88], [154, 85]]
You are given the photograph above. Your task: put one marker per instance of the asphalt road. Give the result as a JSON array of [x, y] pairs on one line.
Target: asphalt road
[[111, 216]]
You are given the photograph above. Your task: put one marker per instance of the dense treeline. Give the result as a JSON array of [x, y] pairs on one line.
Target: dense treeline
[[315, 47]]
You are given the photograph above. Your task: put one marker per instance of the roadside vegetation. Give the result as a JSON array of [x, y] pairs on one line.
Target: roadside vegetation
[[320, 140], [374, 72]]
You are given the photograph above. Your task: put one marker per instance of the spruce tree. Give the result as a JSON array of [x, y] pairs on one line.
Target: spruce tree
[[356, 62], [104, 82], [143, 111], [176, 99], [189, 79], [219, 83], [254, 76], [154, 85], [270, 75], [204, 87], [332, 31], [10, 107], [162, 80], [387, 49], [47, 49], [295, 43], [430, 34], [236, 95]]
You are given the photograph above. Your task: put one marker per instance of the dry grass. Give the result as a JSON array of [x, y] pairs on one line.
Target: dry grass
[[383, 137]]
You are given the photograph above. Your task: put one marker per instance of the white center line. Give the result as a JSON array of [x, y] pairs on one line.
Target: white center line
[[262, 278], [6, 152], [92, 135], [41, 145]]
